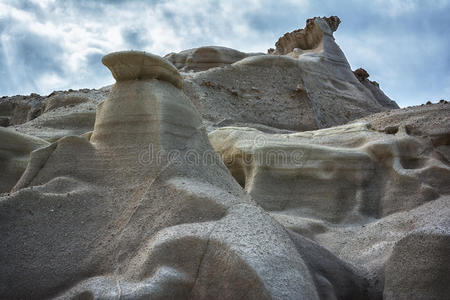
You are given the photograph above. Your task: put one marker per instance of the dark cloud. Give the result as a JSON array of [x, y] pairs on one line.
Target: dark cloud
[[25, 57], [135, 38]]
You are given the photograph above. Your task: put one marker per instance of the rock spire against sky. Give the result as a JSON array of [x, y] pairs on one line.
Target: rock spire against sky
[[48, 45]]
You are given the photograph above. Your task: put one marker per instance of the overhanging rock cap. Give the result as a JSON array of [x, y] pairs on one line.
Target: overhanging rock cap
[[139, 65]]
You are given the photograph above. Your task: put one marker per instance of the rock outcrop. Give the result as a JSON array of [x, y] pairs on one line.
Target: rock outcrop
[[64, 113], [128, 211], [20, 109], [359, 190], [15, 149], [309, 185], [374, 87], [307, 85], [308, 39], [204, 58], [343, 174], [297, 89]]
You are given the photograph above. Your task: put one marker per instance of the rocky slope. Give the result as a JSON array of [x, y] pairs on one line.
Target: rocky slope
[[362, 190], [217, 174]]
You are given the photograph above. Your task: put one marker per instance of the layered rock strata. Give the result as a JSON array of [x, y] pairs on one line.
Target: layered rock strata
[[368, 191]]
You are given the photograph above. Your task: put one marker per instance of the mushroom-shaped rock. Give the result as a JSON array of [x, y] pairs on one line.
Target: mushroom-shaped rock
[[132, 65], [145, 106]]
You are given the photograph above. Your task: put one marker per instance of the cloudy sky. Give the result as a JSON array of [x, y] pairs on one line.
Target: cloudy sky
[[48, 45]]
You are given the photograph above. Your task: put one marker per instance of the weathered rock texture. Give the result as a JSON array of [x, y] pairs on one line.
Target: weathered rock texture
[[374, 87], [307, 85], [15, 149], [204, 58], [125, 196], [64, 114], [20, 109], [300, 89], [341, 174], [127, 211], [308, 39], [359, 190]]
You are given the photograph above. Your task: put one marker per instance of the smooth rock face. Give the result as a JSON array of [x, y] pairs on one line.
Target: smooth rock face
[[15, 149], [343, 174], [371, 247], [143, 207]]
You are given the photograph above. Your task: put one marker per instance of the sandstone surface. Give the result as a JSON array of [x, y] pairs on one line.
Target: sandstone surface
[[294, 89], [204, 58], [126, 211], [365, 191], [15, 149], [218, 174], [306, 84]]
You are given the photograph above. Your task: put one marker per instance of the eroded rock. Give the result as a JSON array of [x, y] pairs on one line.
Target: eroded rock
[[264, 89], [343, 174], [15, 149], [128, 212], [204, 58], [65, 114], [419, 264], [309, 38], [359, 190]]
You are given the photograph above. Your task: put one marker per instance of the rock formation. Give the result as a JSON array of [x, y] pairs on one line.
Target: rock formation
[[15, 149], [127, 211], [64, 113], [217, 174], [204, 58], [299, 89], [363, 190], [19, 109], [370, 175], [308, 39]]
